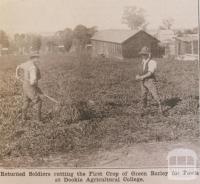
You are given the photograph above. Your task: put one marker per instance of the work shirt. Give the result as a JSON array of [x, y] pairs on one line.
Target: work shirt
[[149, 66], [31, 72]]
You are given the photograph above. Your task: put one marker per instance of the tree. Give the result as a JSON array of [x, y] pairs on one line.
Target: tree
[[91, 31], [4, 41], [80, 33], [12, 46], [27, 42], [68, 38], [83, 34], [50, 45], [59, 37], [167, 23], [64, 37], [36, 43], [134, 18], [20, 42]]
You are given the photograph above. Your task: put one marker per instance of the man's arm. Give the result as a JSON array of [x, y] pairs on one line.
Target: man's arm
[[152, 66], [142, 77]]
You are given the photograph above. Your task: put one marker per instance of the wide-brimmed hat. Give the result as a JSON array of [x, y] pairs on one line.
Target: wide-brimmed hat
[[145, 51], [34, 55]]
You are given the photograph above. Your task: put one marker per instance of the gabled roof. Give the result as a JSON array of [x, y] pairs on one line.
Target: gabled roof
[[115, 36], [152, 32]]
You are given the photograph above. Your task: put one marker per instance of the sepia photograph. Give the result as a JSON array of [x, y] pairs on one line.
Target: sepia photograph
[[99, 84]]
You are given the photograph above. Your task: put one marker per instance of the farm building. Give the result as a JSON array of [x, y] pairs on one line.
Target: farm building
[[123, 43], [167, 42], [187, 45]]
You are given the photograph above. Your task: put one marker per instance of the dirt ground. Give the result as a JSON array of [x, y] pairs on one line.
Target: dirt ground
[[143, 155]]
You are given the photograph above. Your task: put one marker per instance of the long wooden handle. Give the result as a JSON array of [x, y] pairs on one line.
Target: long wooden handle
[[50, 98]]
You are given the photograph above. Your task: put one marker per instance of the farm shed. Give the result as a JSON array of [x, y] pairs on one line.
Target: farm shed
[[187, 45], [123, 43], [168, 48]]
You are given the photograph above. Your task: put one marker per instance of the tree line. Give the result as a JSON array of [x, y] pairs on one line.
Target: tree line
[[79, 37], [22, 43]]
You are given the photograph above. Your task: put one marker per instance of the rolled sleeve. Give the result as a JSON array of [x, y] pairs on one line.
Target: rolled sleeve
[[33, 78], [152, 66], [18, 71]]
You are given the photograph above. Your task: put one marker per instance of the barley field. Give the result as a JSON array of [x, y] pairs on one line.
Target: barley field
[[99, 106]]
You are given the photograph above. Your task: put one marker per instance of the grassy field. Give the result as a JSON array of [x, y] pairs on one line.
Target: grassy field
[[113, 120]]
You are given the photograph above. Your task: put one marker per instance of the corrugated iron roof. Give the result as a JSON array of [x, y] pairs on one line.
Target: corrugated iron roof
[[116, 36], [152, 32]]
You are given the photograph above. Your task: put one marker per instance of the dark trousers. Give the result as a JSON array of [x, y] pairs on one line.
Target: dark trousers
[[31, 94], [149, 86]]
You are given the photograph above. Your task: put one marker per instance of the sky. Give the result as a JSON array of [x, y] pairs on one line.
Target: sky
[[53, 15]]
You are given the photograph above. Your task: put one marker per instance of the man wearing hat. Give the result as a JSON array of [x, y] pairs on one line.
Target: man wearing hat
[[148, 79], [31, 91]]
